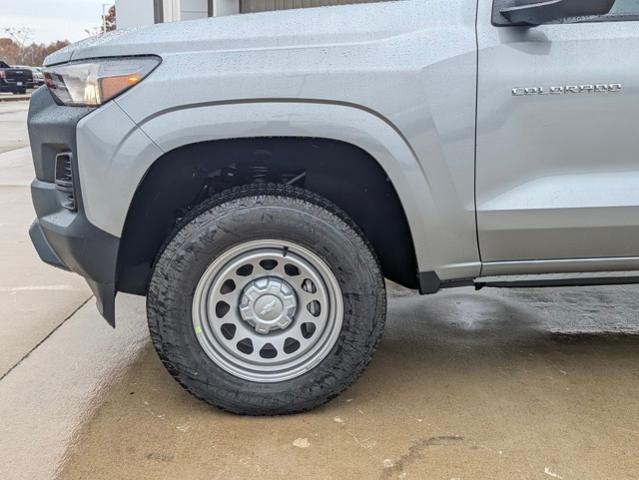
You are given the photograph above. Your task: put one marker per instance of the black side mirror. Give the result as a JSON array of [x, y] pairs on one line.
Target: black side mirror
[[536, 12]]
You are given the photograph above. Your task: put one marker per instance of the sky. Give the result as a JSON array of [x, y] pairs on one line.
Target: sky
[[52, 20]]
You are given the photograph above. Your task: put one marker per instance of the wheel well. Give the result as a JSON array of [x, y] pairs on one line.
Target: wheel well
[[343, 173]]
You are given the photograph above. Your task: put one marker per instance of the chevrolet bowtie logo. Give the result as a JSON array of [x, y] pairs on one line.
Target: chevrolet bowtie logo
[[268, 308]]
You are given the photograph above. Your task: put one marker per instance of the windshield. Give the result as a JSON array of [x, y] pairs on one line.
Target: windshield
[[3, 65]]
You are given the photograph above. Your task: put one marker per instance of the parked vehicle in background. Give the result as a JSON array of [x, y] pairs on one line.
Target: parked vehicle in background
[[437, 143], [37, 76], [15, 79]]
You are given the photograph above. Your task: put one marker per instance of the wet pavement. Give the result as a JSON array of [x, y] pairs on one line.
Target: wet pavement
[[53, 391], [13, 125], [497, 384]]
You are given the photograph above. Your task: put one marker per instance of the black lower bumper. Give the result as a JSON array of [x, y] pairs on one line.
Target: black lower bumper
[[64, 237], [44, 248], [67, 240], [12, 88]]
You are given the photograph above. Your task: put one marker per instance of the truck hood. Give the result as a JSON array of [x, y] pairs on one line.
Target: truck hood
[[269, 30]]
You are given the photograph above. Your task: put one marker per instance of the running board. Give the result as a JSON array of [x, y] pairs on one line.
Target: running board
[[558, 280]]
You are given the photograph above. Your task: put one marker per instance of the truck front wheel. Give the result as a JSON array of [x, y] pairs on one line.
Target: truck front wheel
[[266, 300]]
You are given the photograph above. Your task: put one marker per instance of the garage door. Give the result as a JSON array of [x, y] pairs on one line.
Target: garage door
[[248, 6]]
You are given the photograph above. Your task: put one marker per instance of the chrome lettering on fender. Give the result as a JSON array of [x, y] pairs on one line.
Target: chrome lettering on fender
[[568, 89]]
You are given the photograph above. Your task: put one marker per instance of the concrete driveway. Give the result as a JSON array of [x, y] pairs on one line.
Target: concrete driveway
[[530, 384]]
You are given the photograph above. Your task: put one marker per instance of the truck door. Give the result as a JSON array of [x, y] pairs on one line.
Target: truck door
[[557, 183]]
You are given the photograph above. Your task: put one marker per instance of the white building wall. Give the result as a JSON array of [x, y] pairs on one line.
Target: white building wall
[[171, 12], [226, 7], [133, 13], [192, 9]]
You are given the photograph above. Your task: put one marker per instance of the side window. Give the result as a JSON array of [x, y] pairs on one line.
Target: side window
[[625, 7], [622, 10]]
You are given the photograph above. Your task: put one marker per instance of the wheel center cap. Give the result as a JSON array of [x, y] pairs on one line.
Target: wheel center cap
[[268, 307], [268, 304]]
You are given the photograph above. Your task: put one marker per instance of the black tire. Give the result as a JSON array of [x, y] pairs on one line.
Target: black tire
[[257, 212]]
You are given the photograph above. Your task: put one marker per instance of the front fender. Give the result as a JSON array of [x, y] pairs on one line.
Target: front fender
[[130, 159], [344, 123]]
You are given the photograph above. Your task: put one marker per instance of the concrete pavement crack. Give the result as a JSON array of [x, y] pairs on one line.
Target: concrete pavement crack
[[26, 355]]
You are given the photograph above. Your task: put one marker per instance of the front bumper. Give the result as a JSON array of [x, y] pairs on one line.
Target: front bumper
[[63, 237]]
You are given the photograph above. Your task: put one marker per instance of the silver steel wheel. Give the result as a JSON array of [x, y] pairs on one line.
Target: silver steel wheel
[[267, 310]]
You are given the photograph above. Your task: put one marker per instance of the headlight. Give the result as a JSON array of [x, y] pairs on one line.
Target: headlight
[[90, 84]]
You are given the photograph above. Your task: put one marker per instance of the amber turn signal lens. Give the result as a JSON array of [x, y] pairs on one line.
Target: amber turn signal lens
[[113, 86]]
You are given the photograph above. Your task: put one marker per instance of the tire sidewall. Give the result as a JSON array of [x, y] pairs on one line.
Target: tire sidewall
[[212, 232]]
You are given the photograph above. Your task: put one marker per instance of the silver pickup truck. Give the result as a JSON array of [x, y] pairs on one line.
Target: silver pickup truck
[[257, 176]]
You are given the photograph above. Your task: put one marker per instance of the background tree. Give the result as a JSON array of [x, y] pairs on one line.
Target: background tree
[[9, 50], [20, 37], [31, 55], [110, 19], [15, 48]]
